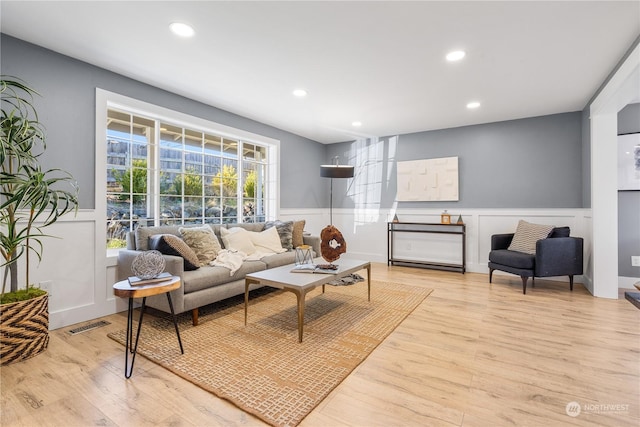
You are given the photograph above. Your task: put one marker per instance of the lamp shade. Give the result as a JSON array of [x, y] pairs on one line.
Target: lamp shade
[[336, 171]]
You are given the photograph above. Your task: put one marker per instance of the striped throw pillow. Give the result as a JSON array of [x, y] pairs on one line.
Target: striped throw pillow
[[526, 236]]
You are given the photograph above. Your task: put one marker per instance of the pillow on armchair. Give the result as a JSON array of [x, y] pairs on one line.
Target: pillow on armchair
[[526, 236]]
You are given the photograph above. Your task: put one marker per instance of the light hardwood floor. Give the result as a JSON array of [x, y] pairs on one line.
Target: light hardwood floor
[[472, 354]]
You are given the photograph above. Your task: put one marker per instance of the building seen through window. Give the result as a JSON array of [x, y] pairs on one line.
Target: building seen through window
[[161, 173]]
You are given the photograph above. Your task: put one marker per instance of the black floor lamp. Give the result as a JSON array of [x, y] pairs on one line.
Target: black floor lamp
[[335, 170], [332, 243]]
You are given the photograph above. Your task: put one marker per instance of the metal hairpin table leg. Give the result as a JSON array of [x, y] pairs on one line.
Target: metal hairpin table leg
[[175, 322], [129, 370]]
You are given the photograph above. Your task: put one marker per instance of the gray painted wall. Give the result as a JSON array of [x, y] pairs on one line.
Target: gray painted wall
[[528, 163], [628, 204], [67, 109]]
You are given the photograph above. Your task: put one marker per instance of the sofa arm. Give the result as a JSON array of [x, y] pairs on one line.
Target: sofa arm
[[314, 242], [173, 264], [559, 256], [501, 241]]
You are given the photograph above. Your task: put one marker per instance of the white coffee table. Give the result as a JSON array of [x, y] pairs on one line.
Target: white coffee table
[[302, 283]]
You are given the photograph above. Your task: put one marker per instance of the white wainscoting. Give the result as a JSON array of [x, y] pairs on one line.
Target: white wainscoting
[[75, 266], [366, 232], [83, 275]]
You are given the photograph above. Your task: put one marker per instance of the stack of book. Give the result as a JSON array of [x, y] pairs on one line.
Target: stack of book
[[162, 277], [313, 268]]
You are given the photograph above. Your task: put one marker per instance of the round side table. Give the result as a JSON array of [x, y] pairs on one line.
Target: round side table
[[125, 290]]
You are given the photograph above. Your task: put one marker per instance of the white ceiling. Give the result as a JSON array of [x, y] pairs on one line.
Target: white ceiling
[[381, 63]]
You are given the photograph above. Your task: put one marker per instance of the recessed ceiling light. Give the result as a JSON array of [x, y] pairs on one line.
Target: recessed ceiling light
[[472, 105], [181, 29], [356, 124], [456, 55], [300, 93]]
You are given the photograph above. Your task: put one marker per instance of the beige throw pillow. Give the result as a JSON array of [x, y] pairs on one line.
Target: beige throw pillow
[[285, 231], [237, 239], [526, 236], [267, 240], [297, 236], [203, 241]]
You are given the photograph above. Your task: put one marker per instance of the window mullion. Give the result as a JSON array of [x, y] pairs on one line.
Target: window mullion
[[239, 184], [154, 193]]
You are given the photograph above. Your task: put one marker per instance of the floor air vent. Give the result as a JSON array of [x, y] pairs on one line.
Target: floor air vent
[[88, 327]]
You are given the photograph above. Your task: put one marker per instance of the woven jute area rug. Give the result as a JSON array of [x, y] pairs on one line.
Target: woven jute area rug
[[262, 368]]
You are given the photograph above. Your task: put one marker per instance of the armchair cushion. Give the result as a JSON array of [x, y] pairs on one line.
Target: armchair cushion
[[526, 236], [513, 259]]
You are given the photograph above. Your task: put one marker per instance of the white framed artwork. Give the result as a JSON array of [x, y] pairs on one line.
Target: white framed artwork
[[428, 180], [629, 162]]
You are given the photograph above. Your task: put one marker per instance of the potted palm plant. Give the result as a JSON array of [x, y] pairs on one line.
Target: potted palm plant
[[30, 200]]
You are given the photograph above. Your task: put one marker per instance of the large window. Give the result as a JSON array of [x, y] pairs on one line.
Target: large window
[[160, 171]]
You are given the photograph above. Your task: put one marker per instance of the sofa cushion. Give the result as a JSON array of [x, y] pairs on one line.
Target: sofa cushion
[[276, 260], [297, 237], [203, 242], [285, 231], [249, 226], [169, 244], [513, 259], [237, 239], [526, 236], [208, 276]]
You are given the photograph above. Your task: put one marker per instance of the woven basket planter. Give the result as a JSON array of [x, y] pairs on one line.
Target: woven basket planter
[[24, 329]]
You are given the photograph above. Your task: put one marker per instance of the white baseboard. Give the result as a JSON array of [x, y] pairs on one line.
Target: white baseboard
[[627, 282]]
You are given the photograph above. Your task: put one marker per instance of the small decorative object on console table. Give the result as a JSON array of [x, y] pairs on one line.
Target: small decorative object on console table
[[459, 221], [445, 218]]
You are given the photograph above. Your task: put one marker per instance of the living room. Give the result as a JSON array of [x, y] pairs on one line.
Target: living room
[[552, 167]]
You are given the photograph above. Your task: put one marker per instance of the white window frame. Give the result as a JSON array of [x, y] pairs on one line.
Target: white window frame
[[106, 100]]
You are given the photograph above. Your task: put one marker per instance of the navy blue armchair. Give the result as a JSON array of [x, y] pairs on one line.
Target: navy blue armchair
[[557, 255]]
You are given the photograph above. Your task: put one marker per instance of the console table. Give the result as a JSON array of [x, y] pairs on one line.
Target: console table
[[426, 228]]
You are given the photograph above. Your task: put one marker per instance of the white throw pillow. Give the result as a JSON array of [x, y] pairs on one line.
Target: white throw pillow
[[267, 241], [237, 239]]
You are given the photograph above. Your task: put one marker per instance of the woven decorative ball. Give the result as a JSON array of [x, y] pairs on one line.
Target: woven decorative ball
[[148, 265]]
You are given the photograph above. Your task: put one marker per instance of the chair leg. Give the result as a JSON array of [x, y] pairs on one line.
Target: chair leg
[[490, 274], [533, 281], [524, 284], [194, 317], [571, 282]]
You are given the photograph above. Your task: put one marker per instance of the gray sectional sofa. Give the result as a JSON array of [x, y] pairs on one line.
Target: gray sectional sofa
[[206, 284]]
